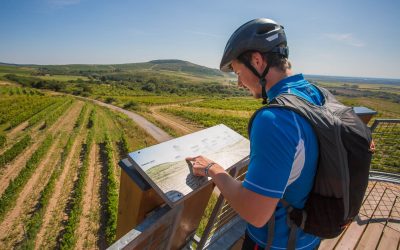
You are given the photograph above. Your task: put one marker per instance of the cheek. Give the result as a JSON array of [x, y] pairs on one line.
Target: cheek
[[249, 80]]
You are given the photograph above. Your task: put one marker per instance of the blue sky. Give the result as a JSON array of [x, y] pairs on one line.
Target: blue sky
[[348, 38]]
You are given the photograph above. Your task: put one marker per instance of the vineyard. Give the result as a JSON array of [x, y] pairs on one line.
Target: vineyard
[[235, 113], [59, 179]]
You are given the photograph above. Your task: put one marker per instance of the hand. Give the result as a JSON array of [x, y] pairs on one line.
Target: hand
[[372, 147], [199, 164]]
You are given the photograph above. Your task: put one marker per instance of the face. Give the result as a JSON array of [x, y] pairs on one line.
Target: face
[[246, 78]]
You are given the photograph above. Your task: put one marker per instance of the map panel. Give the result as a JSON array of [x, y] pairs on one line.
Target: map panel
[[165, 168]]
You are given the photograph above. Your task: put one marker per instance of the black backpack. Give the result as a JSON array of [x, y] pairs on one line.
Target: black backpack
[[343, 167]]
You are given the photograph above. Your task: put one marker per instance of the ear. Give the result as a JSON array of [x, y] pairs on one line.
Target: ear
[[258, 61]]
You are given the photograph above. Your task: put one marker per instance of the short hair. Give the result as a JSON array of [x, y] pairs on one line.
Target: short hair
[[273, 59]]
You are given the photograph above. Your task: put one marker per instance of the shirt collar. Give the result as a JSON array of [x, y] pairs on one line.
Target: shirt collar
[[283, 84]]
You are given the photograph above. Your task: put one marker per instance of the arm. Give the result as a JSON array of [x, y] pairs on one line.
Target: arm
[[252, 207]]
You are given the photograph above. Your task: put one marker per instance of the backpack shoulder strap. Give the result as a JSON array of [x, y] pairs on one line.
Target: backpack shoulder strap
[[295, 103]]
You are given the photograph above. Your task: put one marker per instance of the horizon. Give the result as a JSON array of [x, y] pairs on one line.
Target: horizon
[[325, 38], [312, 75]]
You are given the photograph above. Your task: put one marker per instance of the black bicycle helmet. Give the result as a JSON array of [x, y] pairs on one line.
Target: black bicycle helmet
[[262, 35]]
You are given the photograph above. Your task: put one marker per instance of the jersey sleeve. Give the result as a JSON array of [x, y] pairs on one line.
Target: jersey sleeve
[[274, 141]]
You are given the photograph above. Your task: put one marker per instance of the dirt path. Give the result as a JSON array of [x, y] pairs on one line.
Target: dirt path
[[90, 217], [17, 130], [56, 213], [54, 208], [23, 129], [172, 122], [157, 133], [12, 170], [8, 83], [12, 226]]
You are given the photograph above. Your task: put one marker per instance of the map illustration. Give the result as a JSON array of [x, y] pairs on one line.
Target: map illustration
[[165, 168]]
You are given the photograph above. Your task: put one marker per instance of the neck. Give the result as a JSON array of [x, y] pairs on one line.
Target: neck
[[274, 76]]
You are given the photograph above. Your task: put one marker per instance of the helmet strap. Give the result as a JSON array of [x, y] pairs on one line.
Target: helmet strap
[[261, 79]]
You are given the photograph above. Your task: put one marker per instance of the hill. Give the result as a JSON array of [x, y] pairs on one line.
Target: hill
[[153, 77], [175, 66]]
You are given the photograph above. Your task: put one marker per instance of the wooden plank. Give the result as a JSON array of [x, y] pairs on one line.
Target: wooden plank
[[384, 207], [369, 206], [357, 227], [371, 236], [390, 239], [329, 244], [193, 209], [159, 225], [371, 185], [134, 204], [353, 233], [394, 218], [394, 187]]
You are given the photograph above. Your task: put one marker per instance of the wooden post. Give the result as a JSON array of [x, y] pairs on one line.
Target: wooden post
[[136, 199], [365, 114]]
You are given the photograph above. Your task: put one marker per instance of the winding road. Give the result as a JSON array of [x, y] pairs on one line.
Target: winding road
[[157, 133]]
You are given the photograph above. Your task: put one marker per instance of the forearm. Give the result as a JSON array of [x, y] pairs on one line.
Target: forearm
[[250, 206], [229, 187]]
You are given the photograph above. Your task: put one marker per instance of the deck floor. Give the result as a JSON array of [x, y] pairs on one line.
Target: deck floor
[[378, 223], [377, 226]]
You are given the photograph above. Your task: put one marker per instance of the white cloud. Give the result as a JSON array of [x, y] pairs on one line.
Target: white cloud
[[346, 38]]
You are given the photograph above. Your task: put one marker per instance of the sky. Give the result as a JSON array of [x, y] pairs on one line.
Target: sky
[[331, 37]]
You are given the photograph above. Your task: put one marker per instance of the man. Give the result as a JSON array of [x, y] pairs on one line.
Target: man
[[283, 145]]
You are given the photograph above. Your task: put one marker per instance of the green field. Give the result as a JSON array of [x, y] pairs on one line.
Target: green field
[[63, 78], [68, 145]]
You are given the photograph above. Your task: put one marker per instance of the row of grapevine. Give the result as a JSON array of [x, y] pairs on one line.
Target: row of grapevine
[[112, 193], [53, 117], [68, 238], [14, 111], [42, 114], [35, 221], [10, 90], [236, 103], [8, 198], [239, 124], [14, 151], [92, 119], [124, 145], [2, 140], [81, 117], [146, 100]]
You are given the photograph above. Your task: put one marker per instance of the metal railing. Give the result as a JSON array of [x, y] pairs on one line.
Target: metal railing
[[385, 166], [385, 163]]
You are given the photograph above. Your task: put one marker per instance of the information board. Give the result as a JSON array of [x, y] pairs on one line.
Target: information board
[[165, 168]]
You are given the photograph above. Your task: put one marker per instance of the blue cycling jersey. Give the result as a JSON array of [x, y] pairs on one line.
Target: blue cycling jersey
[[283, 160]]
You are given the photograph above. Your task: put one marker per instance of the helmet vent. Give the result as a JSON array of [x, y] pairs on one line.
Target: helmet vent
[[265, 29]]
